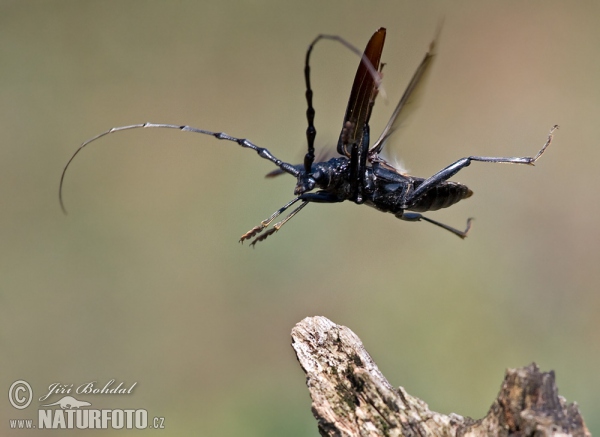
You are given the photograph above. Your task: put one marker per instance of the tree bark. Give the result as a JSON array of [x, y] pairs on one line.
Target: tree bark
[[352, 398]]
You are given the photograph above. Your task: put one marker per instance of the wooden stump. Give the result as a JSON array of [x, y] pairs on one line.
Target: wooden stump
[[352, 398]]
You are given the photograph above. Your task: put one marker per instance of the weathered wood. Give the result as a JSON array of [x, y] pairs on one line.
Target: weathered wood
[[352, 398]]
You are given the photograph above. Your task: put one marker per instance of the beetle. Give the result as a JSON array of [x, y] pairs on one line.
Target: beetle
[[360, 174]]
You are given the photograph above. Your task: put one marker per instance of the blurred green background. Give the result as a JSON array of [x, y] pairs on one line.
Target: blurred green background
[[145, 281]]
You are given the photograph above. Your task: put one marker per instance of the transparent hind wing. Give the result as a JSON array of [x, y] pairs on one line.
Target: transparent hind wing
[[407, 103]]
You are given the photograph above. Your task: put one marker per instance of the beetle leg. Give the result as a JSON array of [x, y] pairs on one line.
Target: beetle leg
[[318, 197], [415, 217], [452, 169]]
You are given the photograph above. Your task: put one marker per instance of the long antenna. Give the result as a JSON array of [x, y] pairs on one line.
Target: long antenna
[[262, 152]]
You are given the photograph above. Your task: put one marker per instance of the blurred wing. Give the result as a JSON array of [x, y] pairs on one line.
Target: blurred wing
[[363, 92], [413, 92]]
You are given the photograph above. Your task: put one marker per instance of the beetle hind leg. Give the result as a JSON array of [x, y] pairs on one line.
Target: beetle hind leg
[[415, 217], [446, 173]]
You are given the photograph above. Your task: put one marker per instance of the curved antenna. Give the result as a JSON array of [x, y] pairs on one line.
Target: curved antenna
[[366, 63], [262, 152], [363, 56]]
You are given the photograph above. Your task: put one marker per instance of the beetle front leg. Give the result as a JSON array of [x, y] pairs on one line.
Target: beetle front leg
[[306, 198]]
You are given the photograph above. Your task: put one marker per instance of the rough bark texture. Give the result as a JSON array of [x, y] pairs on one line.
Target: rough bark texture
[[352, 398]]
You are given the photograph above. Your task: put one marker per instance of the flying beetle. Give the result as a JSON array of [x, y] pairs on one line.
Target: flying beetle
[[359, 174]]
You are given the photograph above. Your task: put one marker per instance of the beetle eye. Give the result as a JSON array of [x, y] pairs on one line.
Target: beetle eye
[[305, 183]]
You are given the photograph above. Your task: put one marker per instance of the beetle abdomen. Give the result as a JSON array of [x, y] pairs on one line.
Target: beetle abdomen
[[440, 196]]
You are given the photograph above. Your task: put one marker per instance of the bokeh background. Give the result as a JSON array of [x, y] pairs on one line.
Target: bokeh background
[[144, 281]]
